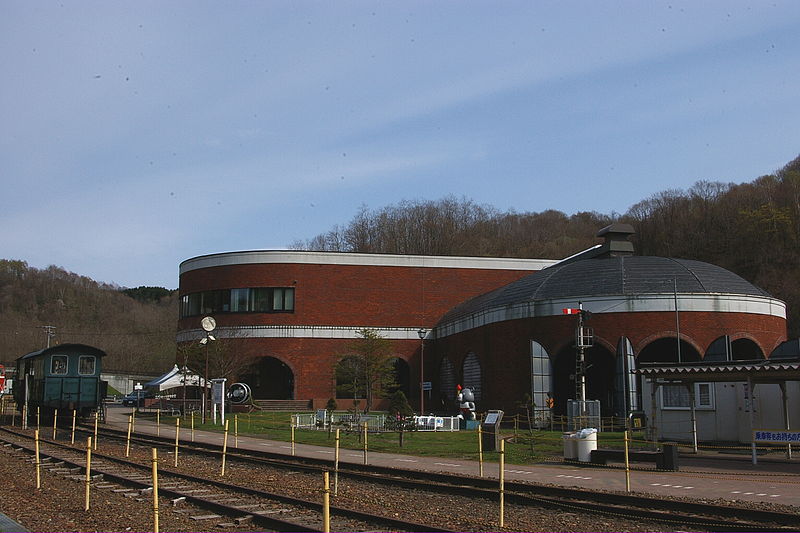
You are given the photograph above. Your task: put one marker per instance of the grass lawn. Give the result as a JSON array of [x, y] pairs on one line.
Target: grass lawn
[[523, 448]]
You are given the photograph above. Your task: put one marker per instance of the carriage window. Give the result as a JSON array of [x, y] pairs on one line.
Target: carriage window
[[86, 365], [58, 364]]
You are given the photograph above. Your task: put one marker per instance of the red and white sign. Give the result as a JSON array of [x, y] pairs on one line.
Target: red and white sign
[[570, 311]]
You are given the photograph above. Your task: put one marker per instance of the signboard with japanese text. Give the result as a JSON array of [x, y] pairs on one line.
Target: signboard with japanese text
[[776, 435]]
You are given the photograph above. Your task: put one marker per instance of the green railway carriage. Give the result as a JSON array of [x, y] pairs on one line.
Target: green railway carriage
[[64, 377]]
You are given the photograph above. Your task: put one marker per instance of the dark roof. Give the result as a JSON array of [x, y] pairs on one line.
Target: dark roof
[[767, 371], [622, 276], [60, 348]]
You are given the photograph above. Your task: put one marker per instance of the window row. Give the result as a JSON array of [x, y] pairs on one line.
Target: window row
[[59, 365], [677, 396], [251, 300]]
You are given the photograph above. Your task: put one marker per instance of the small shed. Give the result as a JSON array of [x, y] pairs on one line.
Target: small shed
[[778, 371]]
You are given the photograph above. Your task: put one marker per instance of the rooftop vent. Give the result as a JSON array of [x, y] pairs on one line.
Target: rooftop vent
[[616, 244], [616, 237]]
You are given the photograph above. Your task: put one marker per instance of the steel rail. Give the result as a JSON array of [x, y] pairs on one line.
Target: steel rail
[[712, 517], [221, 508]]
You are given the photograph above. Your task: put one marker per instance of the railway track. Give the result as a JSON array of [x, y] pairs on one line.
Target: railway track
[[211, 498], [677, 513]]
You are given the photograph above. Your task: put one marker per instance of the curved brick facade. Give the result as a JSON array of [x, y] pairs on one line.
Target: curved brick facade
[[335, 295], [504, 348]]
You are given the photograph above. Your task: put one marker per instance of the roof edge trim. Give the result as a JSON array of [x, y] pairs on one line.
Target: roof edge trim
[[360, 259]]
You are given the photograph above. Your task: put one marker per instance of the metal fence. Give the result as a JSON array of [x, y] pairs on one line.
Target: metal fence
[[375, 422]]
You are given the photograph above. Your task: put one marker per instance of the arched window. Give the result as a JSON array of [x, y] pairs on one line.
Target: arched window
[[472, 375], [541, 376], [447, 381]]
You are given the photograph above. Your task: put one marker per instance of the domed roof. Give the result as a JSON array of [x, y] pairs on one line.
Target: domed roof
[[621, 275]]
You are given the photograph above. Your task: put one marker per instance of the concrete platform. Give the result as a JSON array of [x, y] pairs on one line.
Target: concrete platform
[[724, 476]]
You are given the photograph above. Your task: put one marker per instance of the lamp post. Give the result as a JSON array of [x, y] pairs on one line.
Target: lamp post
[[422, 332], [208, 323]]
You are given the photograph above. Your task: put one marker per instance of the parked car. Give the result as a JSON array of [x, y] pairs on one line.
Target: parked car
[[136, 398]]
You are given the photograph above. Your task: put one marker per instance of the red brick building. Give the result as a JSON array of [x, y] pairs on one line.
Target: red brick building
[[637, 311], [299, 311], [495, 325]]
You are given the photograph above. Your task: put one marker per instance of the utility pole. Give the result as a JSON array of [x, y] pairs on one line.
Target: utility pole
[[49, 332]]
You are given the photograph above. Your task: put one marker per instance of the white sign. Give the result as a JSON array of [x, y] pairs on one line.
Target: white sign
[[779, 435], [138, 386], [427, 385]]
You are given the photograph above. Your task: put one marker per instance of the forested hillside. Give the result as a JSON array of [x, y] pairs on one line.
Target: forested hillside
[[752, 229], [136, 327]]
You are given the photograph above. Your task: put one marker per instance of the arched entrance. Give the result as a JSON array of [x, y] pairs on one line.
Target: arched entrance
[[665, 350], [746, 350], [271, 379], [472, 375], [600, 377], [447, 385]]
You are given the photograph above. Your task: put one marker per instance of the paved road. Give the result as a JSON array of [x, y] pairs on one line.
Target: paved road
[[707, 476]]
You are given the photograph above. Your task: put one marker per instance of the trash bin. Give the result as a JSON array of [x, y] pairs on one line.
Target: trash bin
[[570, 445], [586, 441]]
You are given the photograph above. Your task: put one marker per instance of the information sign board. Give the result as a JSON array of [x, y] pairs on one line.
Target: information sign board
[[776, 435]]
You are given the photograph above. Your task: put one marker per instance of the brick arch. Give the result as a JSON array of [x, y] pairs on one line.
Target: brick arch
[[669, 338], [265, 386], [736, 344], [605, 344], [745, 335], [646, 341]]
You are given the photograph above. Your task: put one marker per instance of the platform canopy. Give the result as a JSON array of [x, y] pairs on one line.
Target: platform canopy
[[176, 378], [778, 369], [767, 371]]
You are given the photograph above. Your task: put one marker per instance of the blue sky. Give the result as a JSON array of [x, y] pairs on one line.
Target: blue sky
[[139, 134]]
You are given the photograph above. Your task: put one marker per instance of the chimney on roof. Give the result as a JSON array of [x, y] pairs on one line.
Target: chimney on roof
[[616, 244], [616, 240]]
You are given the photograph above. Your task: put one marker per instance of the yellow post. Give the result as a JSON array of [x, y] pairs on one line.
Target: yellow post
[[74, 416], [155, 490], [130, 428], [55, 423], [326, 503], [96, 419], [627, 465], [236, 430], [24, 421], [88, 471], [192, 417], [292, 434], [158, 422], [365, 443], [177, 432], [224, 447], [336, 466], [133, 420], [502, 479], [38, 462], [480, 451]]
